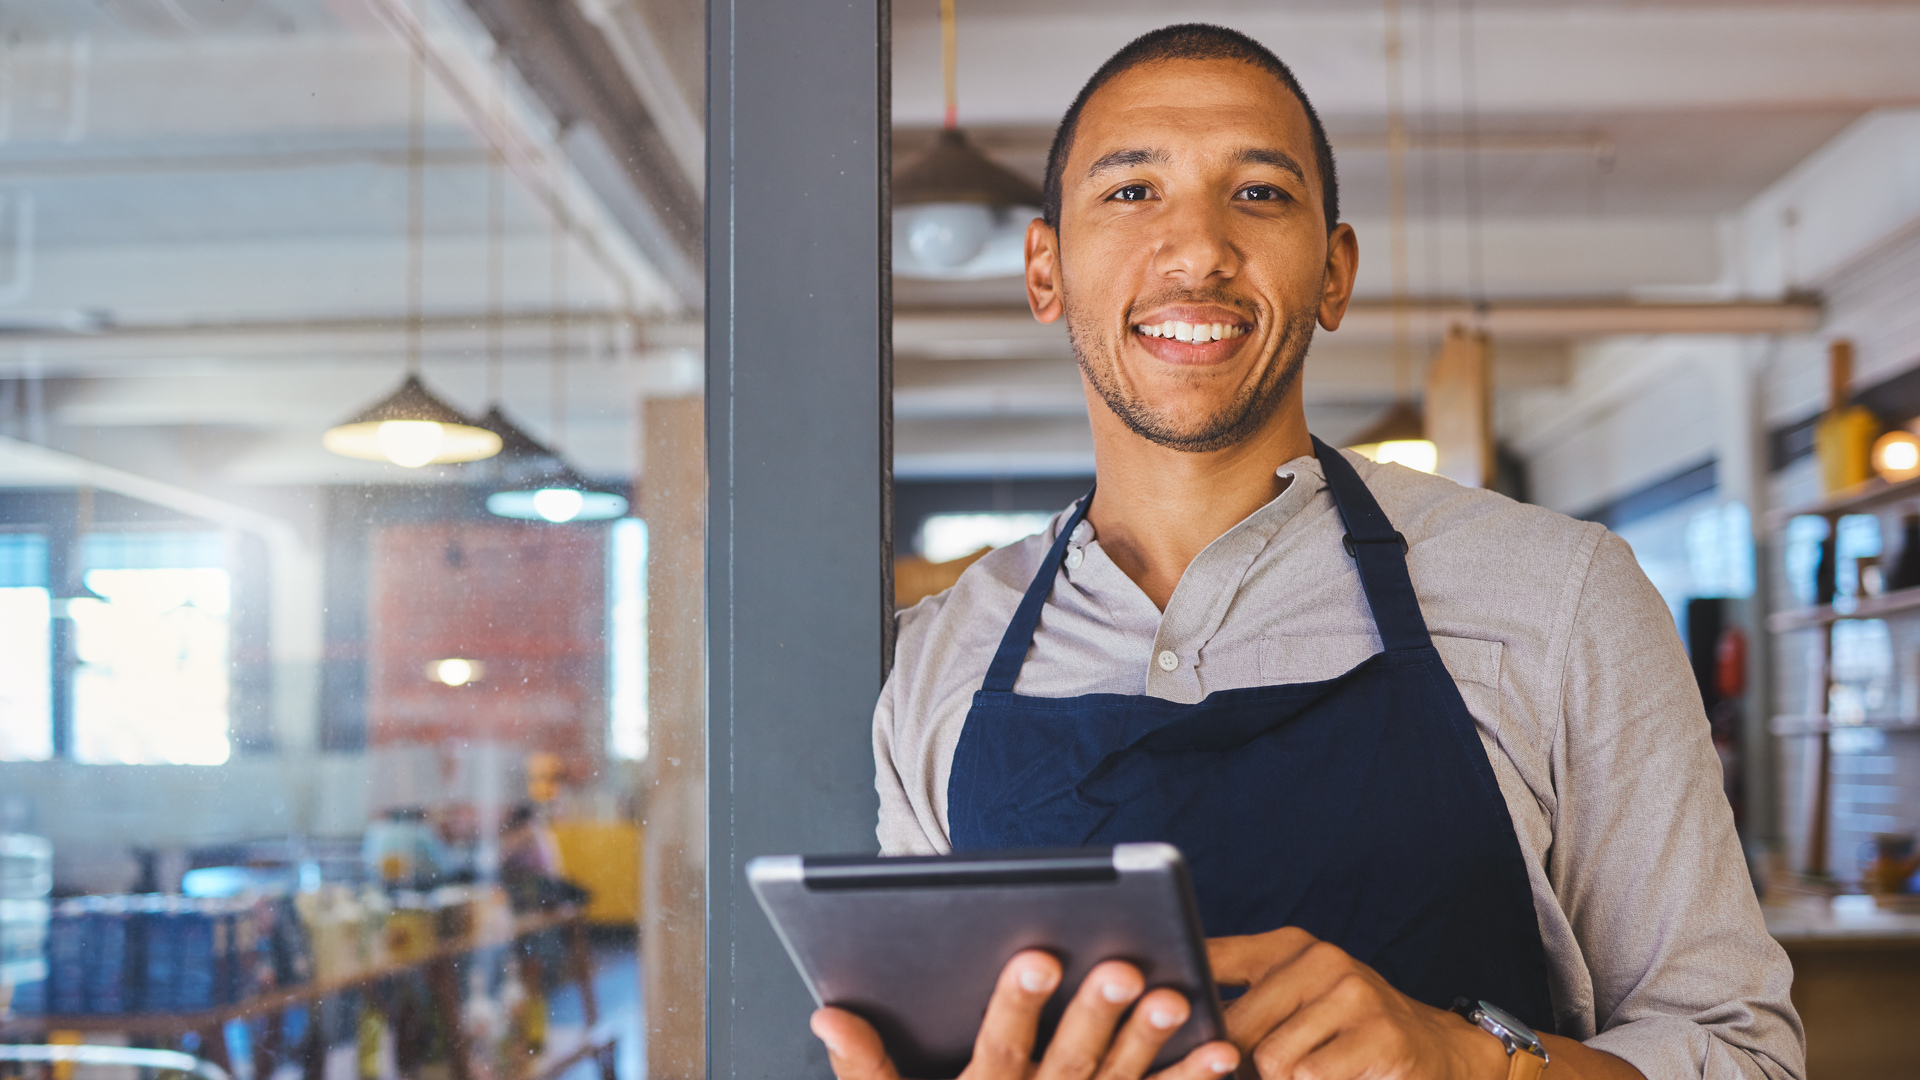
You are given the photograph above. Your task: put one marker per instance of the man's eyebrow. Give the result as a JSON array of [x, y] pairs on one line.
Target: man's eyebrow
[[1126, 159], [1279, 159]]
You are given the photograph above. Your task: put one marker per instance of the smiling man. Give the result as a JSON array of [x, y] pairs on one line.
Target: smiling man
[[1436, 758]]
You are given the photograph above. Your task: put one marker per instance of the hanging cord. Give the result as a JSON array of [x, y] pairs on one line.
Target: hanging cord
[[1470, 124], [496, 229], [1429, 158], [559, 324], [416, 204], [1397, 204], [950, 62]]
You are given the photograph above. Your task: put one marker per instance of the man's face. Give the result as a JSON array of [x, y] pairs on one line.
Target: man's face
[[1192, 259]]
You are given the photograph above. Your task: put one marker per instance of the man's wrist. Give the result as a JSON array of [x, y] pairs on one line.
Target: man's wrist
[[1482, 1052]]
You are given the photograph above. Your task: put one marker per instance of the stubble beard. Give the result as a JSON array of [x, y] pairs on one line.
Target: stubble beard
[[1229, 426]]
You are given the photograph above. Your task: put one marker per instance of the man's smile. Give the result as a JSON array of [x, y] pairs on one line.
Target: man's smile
[[1191, 334]]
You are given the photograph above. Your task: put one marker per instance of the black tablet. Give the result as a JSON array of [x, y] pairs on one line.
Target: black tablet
[[915, 945]]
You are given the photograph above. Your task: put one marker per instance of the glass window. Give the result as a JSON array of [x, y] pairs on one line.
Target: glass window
[[26, 679], [152, 683], [324, 589]]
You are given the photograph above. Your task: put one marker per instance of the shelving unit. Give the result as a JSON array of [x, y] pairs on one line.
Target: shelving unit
[[1874, 496], [436, 964], [1858, 499], [1867, 607]]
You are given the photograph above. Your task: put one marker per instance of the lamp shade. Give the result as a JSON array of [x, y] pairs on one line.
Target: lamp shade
[[535, 484], [412, 428], [955, 171], [958, 214], [1399, 436]]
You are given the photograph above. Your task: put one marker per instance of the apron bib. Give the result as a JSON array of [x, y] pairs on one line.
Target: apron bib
[[1361, 809]]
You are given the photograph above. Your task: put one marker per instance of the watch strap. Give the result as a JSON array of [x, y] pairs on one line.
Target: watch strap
[[1522, 1065]]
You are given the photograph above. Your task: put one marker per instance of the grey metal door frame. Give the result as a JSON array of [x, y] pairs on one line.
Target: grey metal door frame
[[799, 453]]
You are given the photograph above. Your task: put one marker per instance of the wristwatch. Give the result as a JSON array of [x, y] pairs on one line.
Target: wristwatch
[[1526, 1054]]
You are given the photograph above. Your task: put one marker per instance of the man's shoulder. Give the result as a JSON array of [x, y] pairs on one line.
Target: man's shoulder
[[1444, 518]]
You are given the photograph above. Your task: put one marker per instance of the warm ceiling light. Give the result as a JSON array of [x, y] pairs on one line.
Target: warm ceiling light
[[1896, 456], [959, 215], [412, 428], [1399, 437], [455, 671]]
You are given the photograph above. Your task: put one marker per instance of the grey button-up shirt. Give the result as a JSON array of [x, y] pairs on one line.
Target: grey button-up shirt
[[1567, 658]]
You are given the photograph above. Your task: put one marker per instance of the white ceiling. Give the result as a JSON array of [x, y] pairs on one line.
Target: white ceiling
[[240, 166], [1611, 140], [222, 187]]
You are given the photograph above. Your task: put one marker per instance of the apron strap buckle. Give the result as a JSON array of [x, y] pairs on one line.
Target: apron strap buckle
[[1347, 542]]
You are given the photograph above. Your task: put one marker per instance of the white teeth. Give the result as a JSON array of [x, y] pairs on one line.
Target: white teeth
[[1180, 331]]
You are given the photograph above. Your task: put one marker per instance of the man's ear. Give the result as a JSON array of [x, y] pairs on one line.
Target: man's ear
[[1336, 288], [1043, 271]]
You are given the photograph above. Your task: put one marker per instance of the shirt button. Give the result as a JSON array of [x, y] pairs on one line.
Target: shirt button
[[1168, 661], [1074, 558]]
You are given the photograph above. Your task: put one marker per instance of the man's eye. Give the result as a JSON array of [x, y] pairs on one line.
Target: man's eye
[[1131, 193], [1262, 193]]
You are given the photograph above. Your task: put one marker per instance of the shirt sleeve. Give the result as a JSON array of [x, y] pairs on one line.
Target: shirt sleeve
[[1646, 863], [899, 828]]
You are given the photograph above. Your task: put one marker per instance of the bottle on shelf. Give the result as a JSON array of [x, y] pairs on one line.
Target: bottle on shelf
[[1843, 437], [1905, 573]]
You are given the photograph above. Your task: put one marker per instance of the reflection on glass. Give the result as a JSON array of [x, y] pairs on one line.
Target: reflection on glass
[[152, 686], [627, 642], [236, 658]]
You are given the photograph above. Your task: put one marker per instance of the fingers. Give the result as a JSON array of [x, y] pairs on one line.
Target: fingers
[[1087, 1027], [1243, 961], [1153, 1022], [1311, 972], [1209, 1062], [1309, 1030], [853, 1047], [1004, 1046]]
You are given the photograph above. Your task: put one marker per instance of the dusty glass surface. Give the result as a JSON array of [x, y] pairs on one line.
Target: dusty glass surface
[[341, 345]]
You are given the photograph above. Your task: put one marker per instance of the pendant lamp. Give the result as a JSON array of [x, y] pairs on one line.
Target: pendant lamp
[[536, 484], [412, 428], [1399, 436], [958, 214]]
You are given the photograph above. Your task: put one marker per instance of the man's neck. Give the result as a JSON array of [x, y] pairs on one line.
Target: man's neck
[[1158, 508]]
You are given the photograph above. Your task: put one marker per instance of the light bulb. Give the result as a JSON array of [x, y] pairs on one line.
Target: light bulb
[[946, 235], [558, 504], [1896, 456], [454, 672], [411, 443], [1418, 454]]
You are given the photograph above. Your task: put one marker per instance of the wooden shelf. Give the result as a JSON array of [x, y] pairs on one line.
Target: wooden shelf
[[278, 1000], [1857, 499], [1815, 725], [1868, 607]]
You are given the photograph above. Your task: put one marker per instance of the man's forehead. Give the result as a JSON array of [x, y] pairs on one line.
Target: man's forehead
[[1174, 96]]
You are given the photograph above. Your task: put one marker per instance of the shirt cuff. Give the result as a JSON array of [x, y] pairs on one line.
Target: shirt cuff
[[1669, 1048]]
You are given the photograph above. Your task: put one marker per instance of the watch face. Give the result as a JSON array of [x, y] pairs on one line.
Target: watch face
[[1521, 1033]]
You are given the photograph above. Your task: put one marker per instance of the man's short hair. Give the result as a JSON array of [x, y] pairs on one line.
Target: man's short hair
[[1190, 41]]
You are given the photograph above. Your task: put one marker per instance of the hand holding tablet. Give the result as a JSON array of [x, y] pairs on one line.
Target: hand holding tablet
[[932, 966]]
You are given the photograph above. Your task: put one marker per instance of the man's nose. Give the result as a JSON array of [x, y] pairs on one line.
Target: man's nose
[[1195, 244]]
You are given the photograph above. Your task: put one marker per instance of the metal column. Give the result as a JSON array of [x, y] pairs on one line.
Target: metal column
[[799, 396]]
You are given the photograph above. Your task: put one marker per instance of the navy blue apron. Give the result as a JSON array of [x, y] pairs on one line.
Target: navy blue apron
[[1361, 809]]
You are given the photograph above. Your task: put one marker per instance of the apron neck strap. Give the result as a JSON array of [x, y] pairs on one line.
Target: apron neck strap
[[1379, 552], [1019, 636]]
